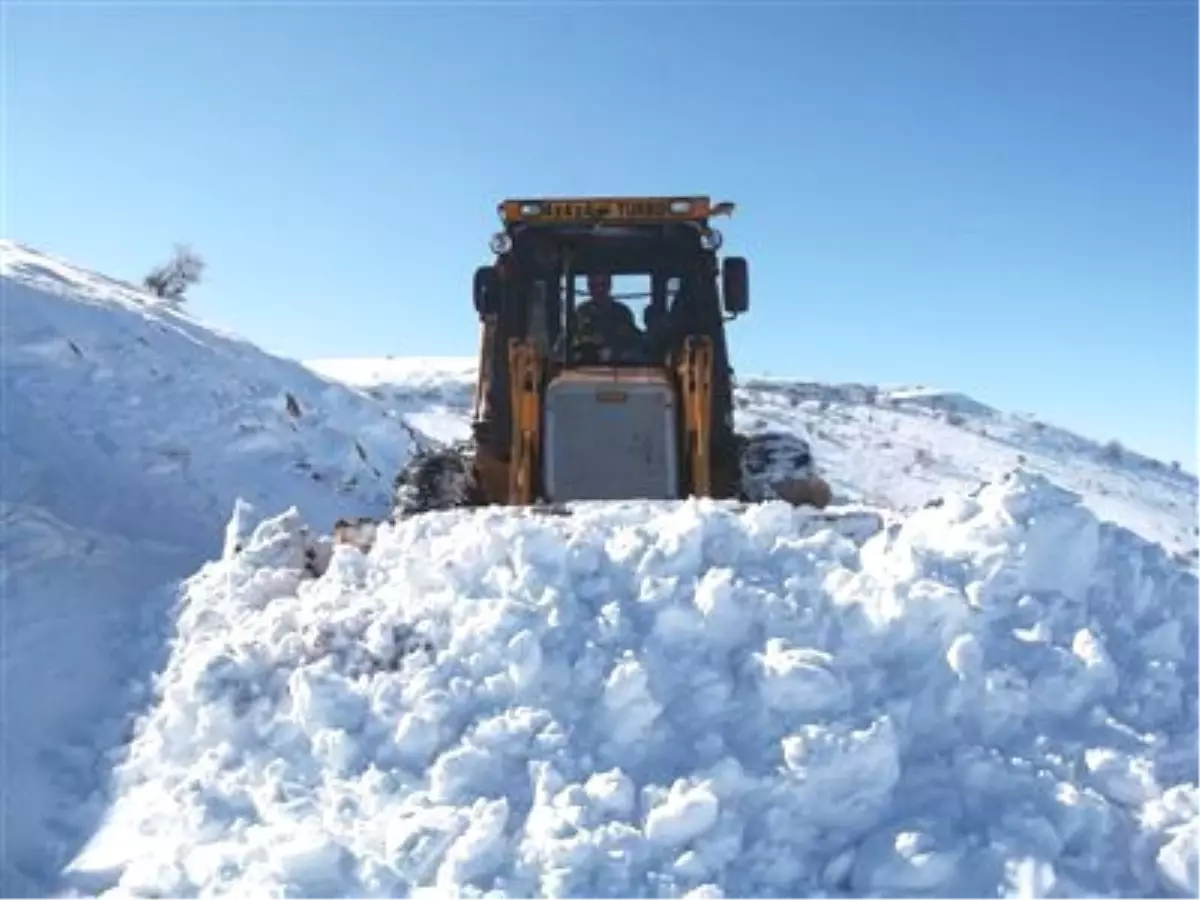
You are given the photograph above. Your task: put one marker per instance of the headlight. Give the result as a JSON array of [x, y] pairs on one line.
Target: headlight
[[531, 209], [712, 239], [680, 207], [501, 242]]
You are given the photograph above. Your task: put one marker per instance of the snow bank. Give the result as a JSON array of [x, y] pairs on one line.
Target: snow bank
[[128, 430], [998, 694]]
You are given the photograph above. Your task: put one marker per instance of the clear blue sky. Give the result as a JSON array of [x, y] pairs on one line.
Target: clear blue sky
[[997, 198]]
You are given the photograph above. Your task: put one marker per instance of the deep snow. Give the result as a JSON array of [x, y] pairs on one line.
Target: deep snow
[[127, 430], [656, 698], [999, 694]]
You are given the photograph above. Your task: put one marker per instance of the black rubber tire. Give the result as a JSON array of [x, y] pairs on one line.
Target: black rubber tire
[[768, 456], [434, 479]]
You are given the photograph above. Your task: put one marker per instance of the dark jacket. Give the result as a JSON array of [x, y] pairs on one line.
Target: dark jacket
[[610, 325]]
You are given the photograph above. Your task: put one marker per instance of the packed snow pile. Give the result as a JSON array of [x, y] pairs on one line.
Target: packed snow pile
[[997, 694]]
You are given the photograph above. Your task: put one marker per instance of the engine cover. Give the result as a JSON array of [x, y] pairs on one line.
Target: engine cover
[[610, 435]]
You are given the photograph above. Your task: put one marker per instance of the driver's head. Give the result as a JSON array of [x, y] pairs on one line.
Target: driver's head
[[600, 286]]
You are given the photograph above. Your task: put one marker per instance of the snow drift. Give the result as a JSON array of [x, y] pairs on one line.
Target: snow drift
[[996, 694], [127, 430]]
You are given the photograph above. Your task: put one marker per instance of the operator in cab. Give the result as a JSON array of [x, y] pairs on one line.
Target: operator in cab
[[606, 326]]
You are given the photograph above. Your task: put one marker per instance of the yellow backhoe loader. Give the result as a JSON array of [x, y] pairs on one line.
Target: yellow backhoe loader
[[563, 413]]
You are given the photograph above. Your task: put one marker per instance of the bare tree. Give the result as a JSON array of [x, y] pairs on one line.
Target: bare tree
[[172, 279]]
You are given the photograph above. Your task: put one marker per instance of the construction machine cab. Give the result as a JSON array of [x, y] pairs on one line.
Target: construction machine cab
[[559, 416]]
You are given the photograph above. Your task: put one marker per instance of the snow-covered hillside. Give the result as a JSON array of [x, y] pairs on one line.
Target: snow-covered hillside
[[996, 693], [128, 429]]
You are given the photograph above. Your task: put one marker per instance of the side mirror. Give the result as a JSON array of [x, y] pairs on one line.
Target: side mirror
[[486, 290], [735, 285]]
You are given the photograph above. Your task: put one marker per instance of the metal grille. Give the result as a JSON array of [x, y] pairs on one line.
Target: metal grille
[[610, 442]]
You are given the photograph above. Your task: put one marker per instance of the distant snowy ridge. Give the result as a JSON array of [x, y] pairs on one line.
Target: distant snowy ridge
[[997, 694]]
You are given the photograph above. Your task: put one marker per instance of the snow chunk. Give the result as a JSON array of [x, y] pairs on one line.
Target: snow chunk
[[1178, 864], [631, 708], [798, 679], [843, 775], [899, 861], [687, 812], [727, 624]]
